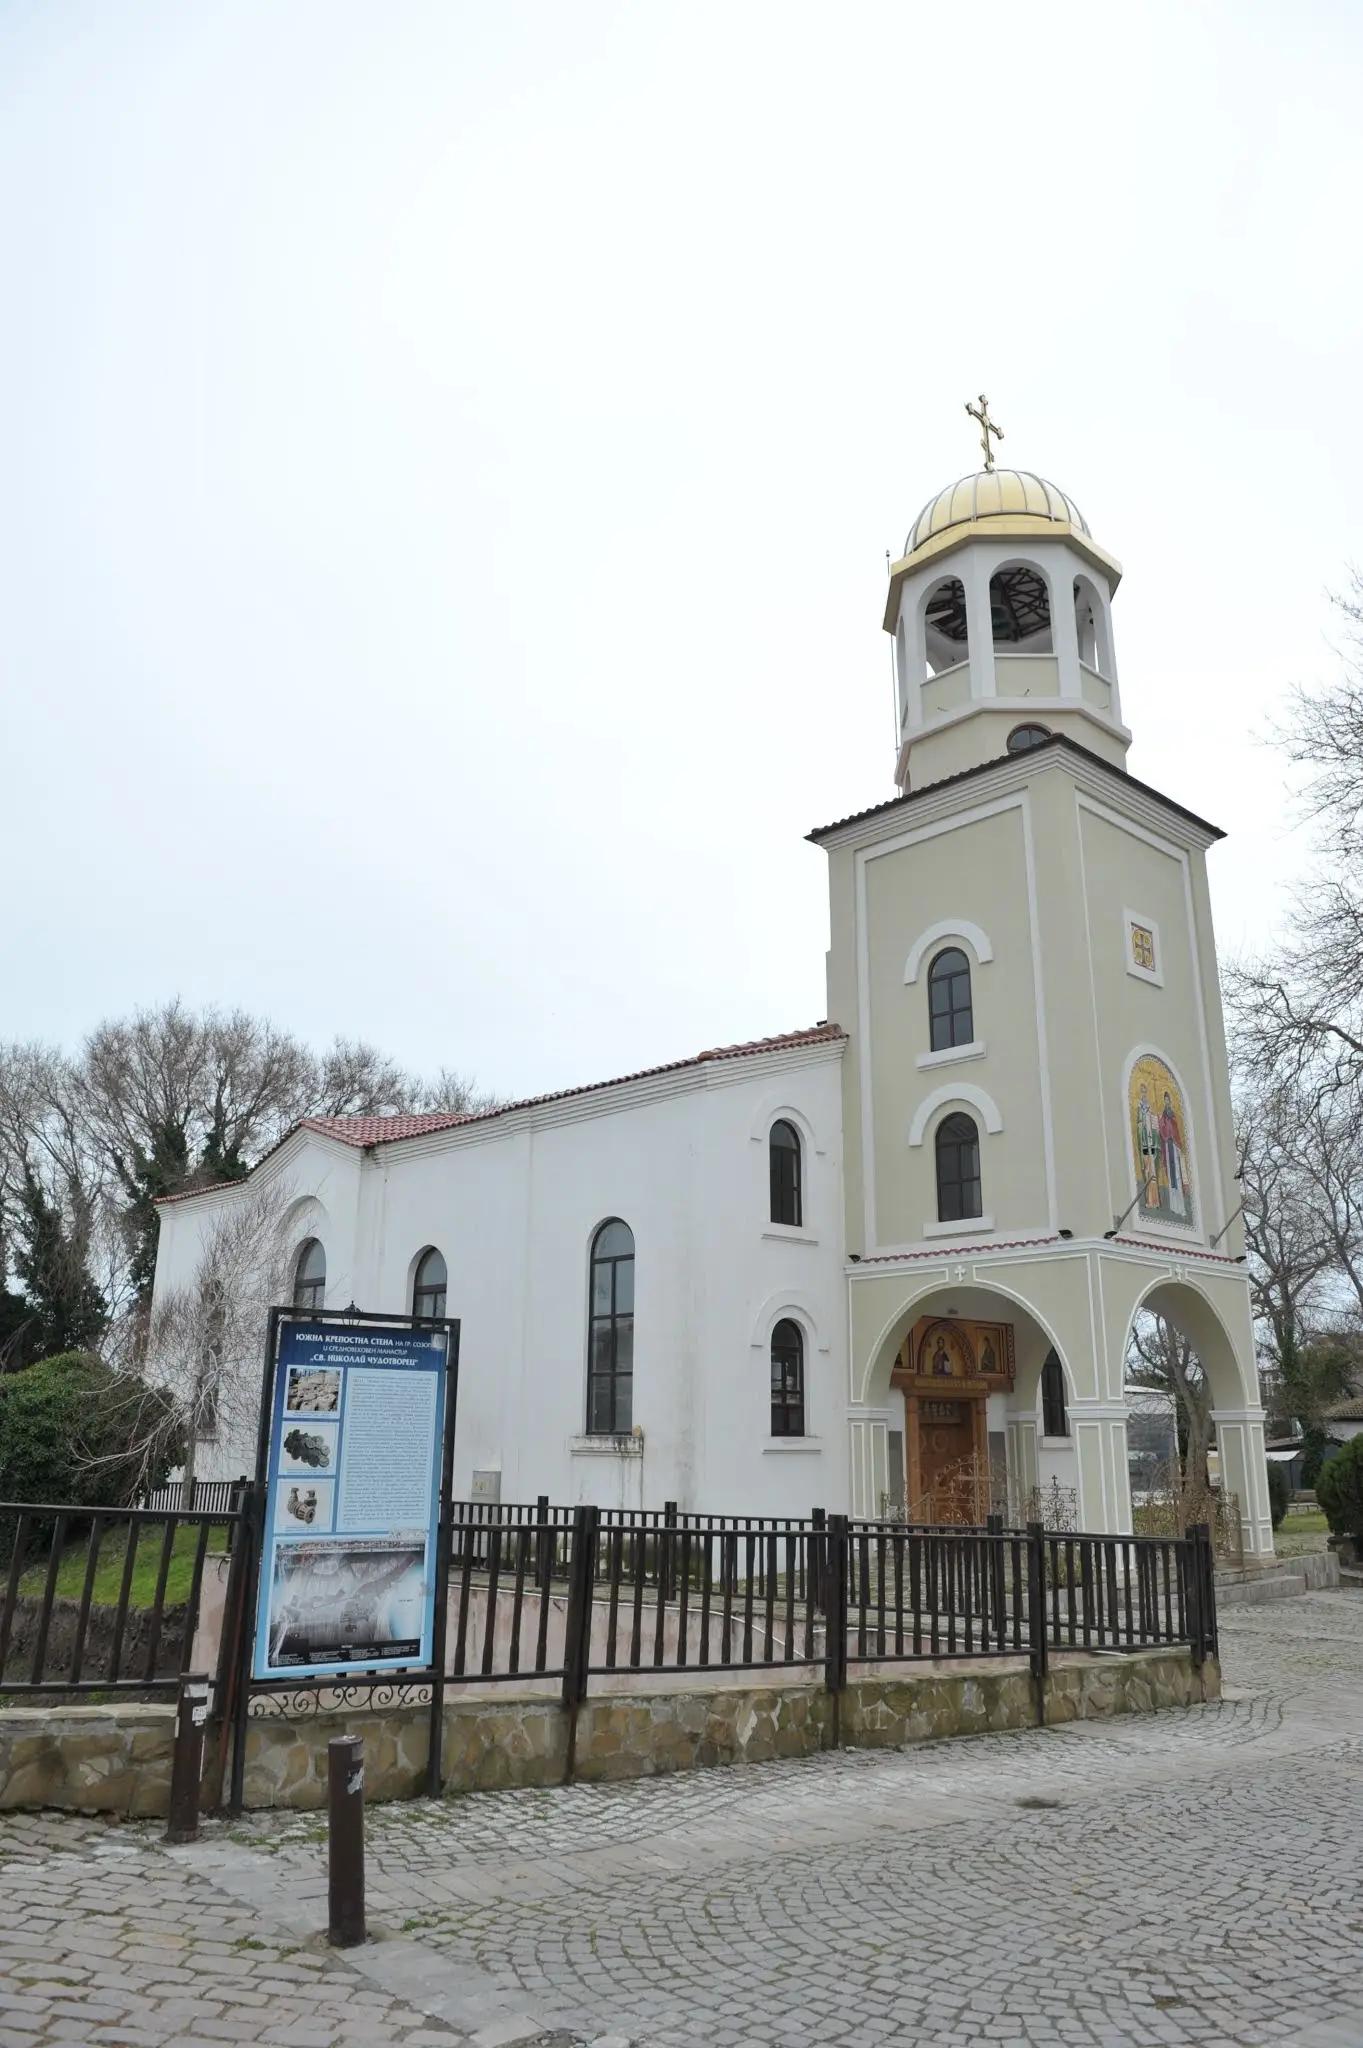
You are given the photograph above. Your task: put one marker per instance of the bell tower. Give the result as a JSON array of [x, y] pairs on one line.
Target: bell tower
[[1001, 611]]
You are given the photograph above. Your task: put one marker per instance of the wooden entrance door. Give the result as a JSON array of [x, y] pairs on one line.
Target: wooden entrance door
[[946, 1442], [947, 1370]]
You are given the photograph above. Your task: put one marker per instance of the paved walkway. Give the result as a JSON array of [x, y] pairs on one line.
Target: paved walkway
[[1176, 1878]]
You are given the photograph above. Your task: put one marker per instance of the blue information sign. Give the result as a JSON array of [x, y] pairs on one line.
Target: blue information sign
[[352, 1505]]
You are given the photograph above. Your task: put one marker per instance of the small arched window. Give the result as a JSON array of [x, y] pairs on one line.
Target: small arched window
[[310, 1277], [787, 1379], [958, 1169], [1091, 628], [786, 1195], [1023, 738], [1055, 1420], [610, 1337], [429, 1284], [1020, 609], [951, 1015]]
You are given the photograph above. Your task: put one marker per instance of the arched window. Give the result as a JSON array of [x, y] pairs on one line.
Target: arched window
[[429, 1284], [787, 1379], [1023, 738], [1054, 1420], [958, 1168], [1020, 610], [951, 1016], [786, 1200], [310, 1276], [944, 625], [610, 1365]]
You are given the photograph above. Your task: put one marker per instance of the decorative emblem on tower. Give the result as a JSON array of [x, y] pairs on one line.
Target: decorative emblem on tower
[[980, 412]]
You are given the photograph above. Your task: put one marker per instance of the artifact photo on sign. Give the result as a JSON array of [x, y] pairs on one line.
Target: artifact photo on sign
[[308, 1449], [347, 1603], [313, 1390], [1159, 1143], [305, 1505]]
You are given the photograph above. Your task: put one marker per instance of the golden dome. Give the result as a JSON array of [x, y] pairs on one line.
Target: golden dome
[[994, 494]]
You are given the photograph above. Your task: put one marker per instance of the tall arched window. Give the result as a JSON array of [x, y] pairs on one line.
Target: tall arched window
[[787, 1379], [429, 1284], [786, 1198], [610, 1364], [310, 1276], [950, 1013], [1055, 1420], [958, 1168]]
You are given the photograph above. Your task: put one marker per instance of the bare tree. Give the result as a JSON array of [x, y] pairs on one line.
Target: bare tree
[[1298, 1013], [1162, 1359], [205, 1337]]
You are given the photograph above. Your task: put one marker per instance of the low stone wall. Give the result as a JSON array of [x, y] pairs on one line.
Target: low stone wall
[[117, 1759]]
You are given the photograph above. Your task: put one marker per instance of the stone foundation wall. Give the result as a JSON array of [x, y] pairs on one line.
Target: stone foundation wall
[[117, 1759]]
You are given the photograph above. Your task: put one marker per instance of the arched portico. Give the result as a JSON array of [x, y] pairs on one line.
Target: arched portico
[[1208, 1323], [951, 1421]]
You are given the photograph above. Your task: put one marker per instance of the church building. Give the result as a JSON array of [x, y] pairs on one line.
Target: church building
[[888, 1263]]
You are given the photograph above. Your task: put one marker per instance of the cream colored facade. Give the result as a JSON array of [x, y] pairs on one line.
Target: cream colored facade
[[1037, 866]]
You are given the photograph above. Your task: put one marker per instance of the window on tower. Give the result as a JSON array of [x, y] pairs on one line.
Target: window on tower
[[944, 625], [786, 1203], [1020, 609], [1023, 738], [1054, 1419], [951, 1015], [958, 1169]]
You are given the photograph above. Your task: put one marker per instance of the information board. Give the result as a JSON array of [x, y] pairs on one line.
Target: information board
[[352, 1501]]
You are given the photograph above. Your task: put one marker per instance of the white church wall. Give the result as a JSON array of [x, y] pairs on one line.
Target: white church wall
[[514, 1207]]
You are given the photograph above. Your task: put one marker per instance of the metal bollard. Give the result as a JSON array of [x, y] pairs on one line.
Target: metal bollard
[[186, 1768], [345, 1840]]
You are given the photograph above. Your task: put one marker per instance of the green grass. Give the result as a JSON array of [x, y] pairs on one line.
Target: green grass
[[109, 1570], [1305, 1522]]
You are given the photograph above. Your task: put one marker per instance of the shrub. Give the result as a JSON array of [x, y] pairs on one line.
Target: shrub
[[1279, 1493], [1339, 1489], [74, 1432]]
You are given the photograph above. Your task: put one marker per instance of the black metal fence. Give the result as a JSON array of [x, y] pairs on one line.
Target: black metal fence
[[548, 1592], [104, 1600], [108, 1600]]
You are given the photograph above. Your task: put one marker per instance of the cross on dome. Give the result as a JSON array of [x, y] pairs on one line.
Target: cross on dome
[[980, 412]]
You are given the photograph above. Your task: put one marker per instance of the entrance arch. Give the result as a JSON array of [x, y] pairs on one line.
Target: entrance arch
[[1237, 1411], [956, 1375]]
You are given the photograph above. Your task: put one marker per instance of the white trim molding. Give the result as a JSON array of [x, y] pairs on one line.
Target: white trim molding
[[947, 928], [963, 1227], [950, 1054], [955, 1091]]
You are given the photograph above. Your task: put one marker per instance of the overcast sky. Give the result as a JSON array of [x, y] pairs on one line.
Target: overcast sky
[[449, 454]]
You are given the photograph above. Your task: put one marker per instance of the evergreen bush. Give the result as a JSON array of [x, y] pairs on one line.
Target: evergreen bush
[[1279, 1493], [1339, 1489], [76, 1433]]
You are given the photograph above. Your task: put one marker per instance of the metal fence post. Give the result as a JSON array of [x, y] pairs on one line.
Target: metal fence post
[[667, 1537], [345, 1841], [1210, 1634], [1190, 1564], [994, 1535], [818, 1523], [578, 1622], [186, 1768], [835, 1617], [1036, 1615]]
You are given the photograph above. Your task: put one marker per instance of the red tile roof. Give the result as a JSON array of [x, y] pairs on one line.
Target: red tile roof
[[363, 1131]]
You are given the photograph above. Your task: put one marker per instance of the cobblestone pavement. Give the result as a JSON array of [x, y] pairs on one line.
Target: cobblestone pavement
[[1186, 1877]]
